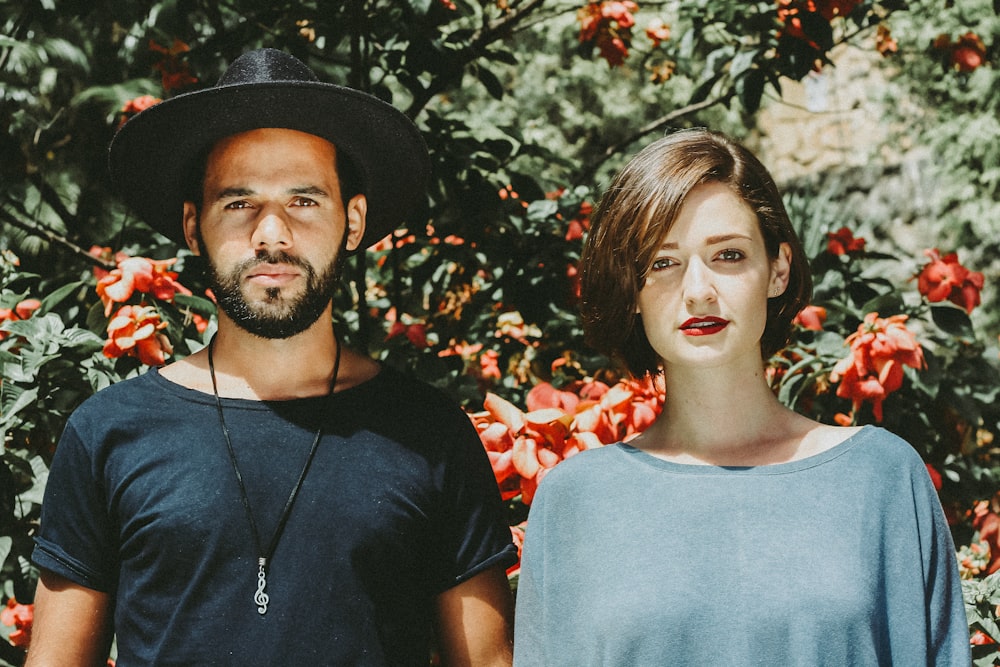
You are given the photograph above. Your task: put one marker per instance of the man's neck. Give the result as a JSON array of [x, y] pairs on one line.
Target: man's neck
[[250, 367]]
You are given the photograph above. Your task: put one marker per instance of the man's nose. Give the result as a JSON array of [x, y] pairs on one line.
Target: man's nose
[[272, 230]]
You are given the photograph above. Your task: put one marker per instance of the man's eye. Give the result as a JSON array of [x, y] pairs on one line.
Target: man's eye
[[304, 201], [238, 204]]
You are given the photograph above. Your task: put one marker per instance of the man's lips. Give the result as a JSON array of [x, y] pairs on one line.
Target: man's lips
[[703, 326], [272, 274]]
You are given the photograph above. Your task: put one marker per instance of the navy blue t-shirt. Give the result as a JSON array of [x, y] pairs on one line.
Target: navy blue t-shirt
[[400, 504]]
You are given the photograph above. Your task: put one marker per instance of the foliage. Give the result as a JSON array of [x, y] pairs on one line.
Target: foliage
[[526, 108]]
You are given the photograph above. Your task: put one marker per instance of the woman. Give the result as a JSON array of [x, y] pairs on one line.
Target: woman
[[733, 531]]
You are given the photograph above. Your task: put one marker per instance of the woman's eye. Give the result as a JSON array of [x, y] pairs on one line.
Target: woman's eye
[[663, 263], [731, 255]]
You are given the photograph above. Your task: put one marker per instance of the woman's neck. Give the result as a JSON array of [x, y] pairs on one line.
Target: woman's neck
[[721, 417]]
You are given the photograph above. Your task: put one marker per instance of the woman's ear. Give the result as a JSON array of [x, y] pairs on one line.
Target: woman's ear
[[781, 268], [190, 223], [357, 210]]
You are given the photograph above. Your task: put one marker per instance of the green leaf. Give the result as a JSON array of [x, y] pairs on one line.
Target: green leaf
[[953, 320]]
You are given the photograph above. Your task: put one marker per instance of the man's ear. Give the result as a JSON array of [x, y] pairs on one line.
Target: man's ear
[[191, 227], [781, 269], [357, 210]]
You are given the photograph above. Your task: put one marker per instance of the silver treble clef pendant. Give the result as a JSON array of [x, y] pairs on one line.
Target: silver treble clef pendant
[[260, 598]]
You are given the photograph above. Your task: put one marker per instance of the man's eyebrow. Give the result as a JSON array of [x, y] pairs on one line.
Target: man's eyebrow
[[227, 193], [312, 190], [239, 191]]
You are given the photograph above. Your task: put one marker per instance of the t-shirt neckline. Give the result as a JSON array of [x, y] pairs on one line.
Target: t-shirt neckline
[[645, 458]]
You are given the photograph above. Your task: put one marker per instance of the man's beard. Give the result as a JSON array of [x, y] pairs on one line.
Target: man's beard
[[276, 316]]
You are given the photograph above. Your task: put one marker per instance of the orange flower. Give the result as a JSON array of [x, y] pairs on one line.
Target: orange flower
[[885, 44], [21, 617], [139, 274], [880, 348], [657, 31], [811, 317], [842, 242], [22, 311], [489, 366], [944, 278], [524, 446], [517, 534], [135, 331]]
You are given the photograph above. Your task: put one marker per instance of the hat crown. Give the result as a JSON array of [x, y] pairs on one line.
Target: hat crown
[[263, 65]]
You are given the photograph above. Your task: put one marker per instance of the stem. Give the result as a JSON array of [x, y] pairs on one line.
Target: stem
[[34, 229], [588, 172]]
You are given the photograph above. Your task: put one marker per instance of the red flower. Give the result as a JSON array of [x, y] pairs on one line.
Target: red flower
[[135, 331], [137, 104], [811, 317], [415, 332], [831, 9], [935, 477], [965, 55], [139, 274], [944, 278], [175, 72], [21, 617], [608, 25], [987, 522], [842, 242], [980, 638], [874, 368]]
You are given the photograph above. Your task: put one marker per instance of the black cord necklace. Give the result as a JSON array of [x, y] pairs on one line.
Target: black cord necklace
[[260, 597]]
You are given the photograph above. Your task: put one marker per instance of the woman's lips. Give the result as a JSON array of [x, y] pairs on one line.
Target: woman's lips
[[703, 326]]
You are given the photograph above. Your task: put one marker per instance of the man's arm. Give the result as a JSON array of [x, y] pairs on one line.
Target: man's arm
[[475, 621], [71, 626]]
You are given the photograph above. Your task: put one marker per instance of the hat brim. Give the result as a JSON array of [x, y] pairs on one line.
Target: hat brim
[[153, 157]]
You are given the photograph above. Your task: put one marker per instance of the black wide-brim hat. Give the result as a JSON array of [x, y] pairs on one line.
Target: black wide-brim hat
[[155, 156]]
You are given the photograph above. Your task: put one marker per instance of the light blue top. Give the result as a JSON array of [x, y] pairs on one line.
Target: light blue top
[[843, 558]]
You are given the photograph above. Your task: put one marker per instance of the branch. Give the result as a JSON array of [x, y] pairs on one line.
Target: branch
[[588, 172], [490, 33], [34, 229]]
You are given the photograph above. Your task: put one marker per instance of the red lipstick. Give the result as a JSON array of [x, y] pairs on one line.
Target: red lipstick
[[703, 326]]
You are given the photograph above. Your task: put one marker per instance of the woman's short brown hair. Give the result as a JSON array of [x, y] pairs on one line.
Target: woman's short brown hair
[[638, 209]]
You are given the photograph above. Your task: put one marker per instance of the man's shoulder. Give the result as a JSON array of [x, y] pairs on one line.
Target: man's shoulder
[[400, 386]]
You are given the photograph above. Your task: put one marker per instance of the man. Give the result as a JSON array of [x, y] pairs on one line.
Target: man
[[273, 499]]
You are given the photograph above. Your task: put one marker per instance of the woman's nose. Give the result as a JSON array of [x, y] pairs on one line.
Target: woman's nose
[[698, 285]]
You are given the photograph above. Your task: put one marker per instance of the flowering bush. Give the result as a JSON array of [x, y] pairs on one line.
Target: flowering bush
[[483, 302]]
